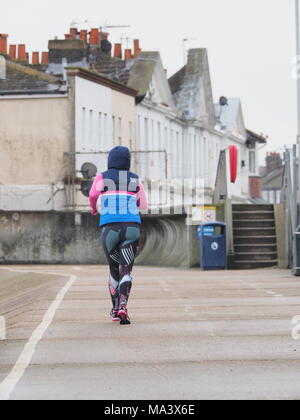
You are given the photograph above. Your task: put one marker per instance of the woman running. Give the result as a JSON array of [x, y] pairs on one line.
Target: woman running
[[122, 197]]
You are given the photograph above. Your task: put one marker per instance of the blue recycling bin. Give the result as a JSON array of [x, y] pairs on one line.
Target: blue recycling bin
[[213, 249]]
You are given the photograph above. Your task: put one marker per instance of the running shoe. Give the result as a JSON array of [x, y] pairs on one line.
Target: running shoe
[[123, 316], [114, 315]]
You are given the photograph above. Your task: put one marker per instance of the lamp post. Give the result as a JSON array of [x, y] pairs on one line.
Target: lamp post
[[298, 85]]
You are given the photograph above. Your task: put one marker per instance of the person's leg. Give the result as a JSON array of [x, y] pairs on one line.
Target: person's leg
[[128, 251], [110, 242]]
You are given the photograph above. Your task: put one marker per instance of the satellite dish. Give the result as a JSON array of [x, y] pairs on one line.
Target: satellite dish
[[223, 101], [86, 187], [88, 170]]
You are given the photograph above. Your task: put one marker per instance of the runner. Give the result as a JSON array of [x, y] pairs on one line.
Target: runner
[[122, 197]]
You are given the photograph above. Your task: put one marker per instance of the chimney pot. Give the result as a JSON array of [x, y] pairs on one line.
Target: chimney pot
[[13, 52], [45, 58], [35, 58], [3, 43], [94, 37], [137, 49], [83, 35], [22, 55], [118, 51], [128, 54]]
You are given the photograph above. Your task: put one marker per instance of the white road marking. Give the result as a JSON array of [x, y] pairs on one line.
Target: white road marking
[[261, 289], [11, 381]]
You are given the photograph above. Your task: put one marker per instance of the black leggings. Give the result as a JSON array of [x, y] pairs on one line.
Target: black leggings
[[120, 242]]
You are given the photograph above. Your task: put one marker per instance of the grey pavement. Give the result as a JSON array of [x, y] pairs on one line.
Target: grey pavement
[[195, 335]]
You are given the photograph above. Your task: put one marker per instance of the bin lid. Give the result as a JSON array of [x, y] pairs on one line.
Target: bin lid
[[218, 224]]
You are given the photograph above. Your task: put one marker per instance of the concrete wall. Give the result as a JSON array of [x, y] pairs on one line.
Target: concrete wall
[[66, 238], [34, 134]]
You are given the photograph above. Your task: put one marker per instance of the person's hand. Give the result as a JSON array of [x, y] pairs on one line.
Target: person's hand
[[94, 212]]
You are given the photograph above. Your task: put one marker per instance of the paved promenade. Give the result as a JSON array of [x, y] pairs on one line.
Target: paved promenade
[[195, 335]]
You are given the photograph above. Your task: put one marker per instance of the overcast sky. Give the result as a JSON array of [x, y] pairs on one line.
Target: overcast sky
[[250, 45]]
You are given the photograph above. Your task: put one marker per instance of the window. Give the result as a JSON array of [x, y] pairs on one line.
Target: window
[[159, 135], [91, 128], [119, 135], [100, 129], [146, 133], [130, 135], [114, 129], [83, 128]]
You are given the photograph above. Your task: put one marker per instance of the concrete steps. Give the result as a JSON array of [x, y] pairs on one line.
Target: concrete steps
[[254, 236]]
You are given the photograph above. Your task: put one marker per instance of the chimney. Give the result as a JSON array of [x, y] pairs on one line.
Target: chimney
[[13, 52], [83, 35], [94, 37], [35, 58], [274, 162], [137, 49], [22, 56], [255, 186], [118, 51], [128, 54], [45, 58], [3, 43], [73, 33]]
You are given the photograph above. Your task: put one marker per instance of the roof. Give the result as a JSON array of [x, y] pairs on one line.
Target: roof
[[176, 81], [260, 138], [101, 80], [21, 79], [273, 180], [191, 88], [141, 72]]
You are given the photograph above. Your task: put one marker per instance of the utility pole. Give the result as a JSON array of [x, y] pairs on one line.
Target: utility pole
[[296, 197], [298, 86]]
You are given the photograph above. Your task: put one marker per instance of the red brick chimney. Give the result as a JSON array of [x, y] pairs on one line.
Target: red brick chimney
[[35, 58], [137, 50], [13, 52], [22, 56], [118, 51], [255, 186], [45, 58], [83, 35], [3, 43], [128, 54], [94, 37]]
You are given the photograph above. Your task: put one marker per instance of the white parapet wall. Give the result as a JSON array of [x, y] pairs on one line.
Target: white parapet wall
[[32, 197]]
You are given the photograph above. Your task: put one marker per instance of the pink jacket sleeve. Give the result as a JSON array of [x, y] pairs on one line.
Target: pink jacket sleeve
[[142, 197], [95, 192]]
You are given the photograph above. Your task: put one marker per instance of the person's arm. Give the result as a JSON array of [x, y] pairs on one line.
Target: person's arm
[[95, 193], [142, 197]]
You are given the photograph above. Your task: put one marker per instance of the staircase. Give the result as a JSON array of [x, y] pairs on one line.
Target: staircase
[[254, 236]]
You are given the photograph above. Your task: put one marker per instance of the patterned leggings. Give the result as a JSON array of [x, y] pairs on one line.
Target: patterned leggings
[[120, 242]]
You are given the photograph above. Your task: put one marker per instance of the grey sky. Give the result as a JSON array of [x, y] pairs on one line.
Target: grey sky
[[250, 45]]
